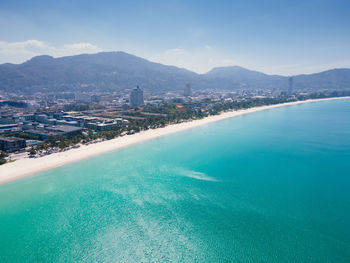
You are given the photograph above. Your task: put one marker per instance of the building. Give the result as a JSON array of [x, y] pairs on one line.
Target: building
[[64, 130], [29, 117], [12, 144], [102, 126], [65, 122], [187, 90], [136, 97], [105, 124], [7, 128], [41, 118], [7, 120], [59, 130], [50, 121], [290, 85], [95, 98], [83, 97], [41, 134]]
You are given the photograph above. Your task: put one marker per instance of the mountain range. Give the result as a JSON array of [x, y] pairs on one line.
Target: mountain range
[[119, 70]]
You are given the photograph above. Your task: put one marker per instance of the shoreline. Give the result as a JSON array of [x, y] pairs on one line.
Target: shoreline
[[27, 167]]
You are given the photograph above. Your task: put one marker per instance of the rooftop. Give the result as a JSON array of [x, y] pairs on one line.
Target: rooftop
[[63, 128], [11, 139]]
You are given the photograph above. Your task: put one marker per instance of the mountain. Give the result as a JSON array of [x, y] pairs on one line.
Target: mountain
[[106, 70], [119, 70], [330, 79], [238, 77]]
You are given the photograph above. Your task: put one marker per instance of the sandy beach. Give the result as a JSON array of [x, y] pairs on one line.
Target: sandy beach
[[30, 166]]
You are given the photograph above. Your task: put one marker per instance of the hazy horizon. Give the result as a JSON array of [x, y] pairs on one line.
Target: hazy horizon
[[203, 73], [285, 38]]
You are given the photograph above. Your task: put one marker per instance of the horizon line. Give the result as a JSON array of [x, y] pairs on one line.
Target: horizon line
[[231, 66]]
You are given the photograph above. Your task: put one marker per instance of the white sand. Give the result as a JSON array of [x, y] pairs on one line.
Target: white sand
[[29, 166]]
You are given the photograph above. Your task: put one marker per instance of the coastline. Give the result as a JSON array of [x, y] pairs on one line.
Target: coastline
[[26, 167]]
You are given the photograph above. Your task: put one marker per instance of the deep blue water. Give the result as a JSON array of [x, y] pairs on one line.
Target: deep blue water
[[272, 186]]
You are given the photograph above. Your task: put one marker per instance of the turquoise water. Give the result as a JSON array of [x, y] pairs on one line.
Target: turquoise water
[[272, 186]]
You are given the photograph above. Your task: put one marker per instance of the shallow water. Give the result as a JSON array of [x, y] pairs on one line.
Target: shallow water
[[272, 186]]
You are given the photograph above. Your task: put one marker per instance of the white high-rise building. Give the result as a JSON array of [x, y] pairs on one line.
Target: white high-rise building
[[290, 85], [187, 90], [136, 97]]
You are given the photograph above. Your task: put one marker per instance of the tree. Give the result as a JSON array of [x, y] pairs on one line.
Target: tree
[[3, 155], [32, 151]]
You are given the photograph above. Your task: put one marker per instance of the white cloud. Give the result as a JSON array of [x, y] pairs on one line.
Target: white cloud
[[18, 52], [200, 60], [78, 48]]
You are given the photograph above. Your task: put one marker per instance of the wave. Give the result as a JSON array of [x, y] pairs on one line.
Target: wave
[[198, 176]]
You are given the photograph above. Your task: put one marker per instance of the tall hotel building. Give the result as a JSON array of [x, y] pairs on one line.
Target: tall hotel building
[[136, 97]]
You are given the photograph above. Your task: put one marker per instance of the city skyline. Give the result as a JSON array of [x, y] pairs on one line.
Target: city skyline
[[275, 38]]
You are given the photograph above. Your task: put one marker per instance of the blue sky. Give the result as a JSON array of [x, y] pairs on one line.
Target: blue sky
[[276, 37]]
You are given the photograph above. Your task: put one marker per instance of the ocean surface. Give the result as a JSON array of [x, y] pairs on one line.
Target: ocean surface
[[272, 186]]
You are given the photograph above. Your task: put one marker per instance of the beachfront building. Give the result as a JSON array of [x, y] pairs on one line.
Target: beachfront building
[[40, 133], [64, 130], [103, 126], [12, 144], [136, 97], [69, 123], [45, 133]]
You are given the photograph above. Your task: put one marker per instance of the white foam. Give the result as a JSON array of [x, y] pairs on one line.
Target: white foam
[[198, 176]]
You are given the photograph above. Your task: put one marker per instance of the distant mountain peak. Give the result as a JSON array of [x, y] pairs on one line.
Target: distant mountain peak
[[235, 72], [40, 59]]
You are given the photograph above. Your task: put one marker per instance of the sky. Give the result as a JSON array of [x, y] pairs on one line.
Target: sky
[[275, 37]]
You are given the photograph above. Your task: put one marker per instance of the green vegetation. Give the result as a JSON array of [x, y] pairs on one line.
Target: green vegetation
[[3, 155], [32, 151], [246, 104]]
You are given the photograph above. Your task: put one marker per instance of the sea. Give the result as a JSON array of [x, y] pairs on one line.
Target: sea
[[270, 186]]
